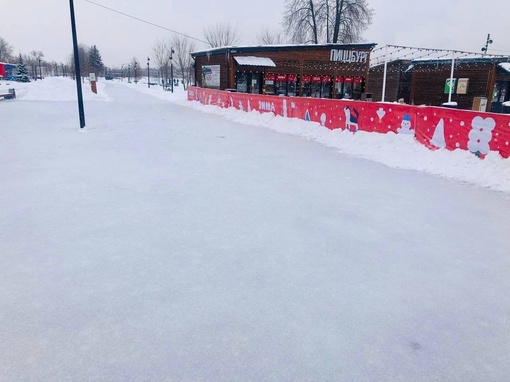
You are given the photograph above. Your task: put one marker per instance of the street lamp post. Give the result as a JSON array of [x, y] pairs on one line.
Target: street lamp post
[[489, 41], [136, 81], [77, 66], [172, 51], [148, 74]]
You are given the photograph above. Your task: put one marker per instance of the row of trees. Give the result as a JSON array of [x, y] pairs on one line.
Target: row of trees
[[306, 22], [303, 22], [326, 21], [90, 60], [34, 63]]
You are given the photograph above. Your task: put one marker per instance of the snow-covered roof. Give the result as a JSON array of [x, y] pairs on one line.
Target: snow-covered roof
[[280, 47], [505, 66], [254, 61]]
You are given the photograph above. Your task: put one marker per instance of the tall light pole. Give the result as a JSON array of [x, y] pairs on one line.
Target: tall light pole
[[172, 51], [489, 41], [77, 67], [136, 81], [148, 74]]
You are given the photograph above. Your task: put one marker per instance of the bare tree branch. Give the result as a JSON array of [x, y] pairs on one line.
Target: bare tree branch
[[183, 46], [309, 21], [269, 37], [6, 50], [221, 34]]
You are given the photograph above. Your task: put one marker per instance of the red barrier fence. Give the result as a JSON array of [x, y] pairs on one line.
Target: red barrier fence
[[434, 127]]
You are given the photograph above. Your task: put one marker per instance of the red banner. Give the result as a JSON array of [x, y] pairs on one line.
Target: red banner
[[270, 76], [326, 79], [358, 80], [292, 77], [339, 79], [281, 77], [307, 78], [434, 127], [316, 79]]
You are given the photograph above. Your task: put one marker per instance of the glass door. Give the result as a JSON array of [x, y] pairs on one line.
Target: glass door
[[499, 95]]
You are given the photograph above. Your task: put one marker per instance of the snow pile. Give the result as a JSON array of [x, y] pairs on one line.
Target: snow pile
[[56, 89]]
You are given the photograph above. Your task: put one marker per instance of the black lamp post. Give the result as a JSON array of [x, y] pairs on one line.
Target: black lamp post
[[489, 41], [148, 74], [136, 81], [172, 51], [77, 66]]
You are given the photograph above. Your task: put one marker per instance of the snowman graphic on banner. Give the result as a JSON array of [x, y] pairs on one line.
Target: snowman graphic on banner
[[481, 135], [405, 127]]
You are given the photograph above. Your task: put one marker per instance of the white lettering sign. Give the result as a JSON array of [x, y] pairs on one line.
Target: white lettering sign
[[350, 56], [266, 106]]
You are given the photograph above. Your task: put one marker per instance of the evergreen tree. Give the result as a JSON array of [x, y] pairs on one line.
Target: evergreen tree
[[94, 60], [22, 71]]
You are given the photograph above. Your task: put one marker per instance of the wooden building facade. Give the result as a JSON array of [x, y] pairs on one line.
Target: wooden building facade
[[399, 76], [481, 84], [473, 78], [320, 71]]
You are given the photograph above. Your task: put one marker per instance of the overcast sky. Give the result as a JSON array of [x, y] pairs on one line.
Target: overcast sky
[[45, 24]]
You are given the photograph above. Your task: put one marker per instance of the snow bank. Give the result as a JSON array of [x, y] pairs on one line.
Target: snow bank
[[56, 89]]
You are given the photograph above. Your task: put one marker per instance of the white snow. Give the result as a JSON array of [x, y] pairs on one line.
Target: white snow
[[171, 243]]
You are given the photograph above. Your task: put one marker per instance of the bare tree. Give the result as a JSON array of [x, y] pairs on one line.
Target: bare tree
[[135, 65], [34, 57], [183, 46], [6, 50], [301, 20], [270, 37], [221, 34], [350, 19], [83, 60], [316, 21], [161, 54]]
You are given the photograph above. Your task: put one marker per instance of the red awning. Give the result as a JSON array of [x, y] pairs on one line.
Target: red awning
[[316, 79], [270, 76], [292, 77], [339, 79], [281, 77], [349, 79], [307, 78], [358, 80], [326, 79]]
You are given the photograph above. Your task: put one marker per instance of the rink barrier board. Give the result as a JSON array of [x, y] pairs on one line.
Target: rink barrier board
[[434, 127]]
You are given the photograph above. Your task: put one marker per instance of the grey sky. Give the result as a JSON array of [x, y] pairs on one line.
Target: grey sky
[[45, 25]]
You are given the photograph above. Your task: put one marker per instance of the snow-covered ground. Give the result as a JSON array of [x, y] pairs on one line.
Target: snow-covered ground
[[171, 241]]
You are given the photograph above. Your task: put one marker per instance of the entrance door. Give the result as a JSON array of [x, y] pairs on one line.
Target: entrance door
[[255, 83], [499, 96]]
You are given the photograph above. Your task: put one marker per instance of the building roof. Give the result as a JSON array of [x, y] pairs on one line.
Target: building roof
[[274, 48], [461, 60], [254, 61], [505, 66]]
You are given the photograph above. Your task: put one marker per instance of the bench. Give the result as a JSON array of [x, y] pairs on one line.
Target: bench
[[7, 93]]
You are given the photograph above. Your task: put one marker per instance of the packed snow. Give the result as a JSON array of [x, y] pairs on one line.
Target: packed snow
[[172, 241]]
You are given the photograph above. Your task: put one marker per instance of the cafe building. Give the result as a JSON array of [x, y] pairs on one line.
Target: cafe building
[[479, 83], [474, 79], [337, 71]]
